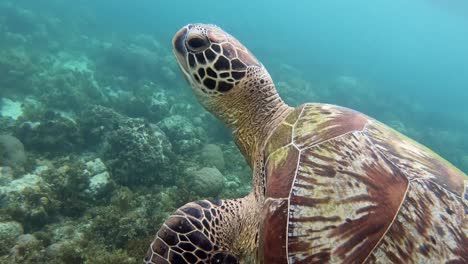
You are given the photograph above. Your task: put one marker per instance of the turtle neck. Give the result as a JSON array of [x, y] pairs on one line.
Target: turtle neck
[[252, 110]]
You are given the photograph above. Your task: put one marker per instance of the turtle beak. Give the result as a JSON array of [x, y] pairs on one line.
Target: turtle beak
[[181, 52], [178, 44]]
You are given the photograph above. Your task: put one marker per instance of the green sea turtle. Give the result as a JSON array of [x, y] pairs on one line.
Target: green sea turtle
[[331, 185]]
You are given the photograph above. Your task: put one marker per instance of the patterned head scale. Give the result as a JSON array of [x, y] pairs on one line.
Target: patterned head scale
[[212, 60]]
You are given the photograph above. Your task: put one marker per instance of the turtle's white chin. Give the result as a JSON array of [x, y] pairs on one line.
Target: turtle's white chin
[[195, 86]]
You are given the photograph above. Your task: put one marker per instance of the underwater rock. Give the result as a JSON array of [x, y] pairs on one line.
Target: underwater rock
[[97, 121], [10, 108], [212, 155], [27, 182], [206, 182], [24, 245], [6, 175], [53, 134], [183, 134], [27, 241], [148, 100], [6, 125], [27, 200], [68, 82], [95, 166], [16, 71], [234, 187], [139, 153], [99, 182], [9, 231], [62, 250], [11, 152]]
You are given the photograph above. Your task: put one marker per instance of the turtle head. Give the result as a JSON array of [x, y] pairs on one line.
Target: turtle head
[[230, 83], [213, 62]]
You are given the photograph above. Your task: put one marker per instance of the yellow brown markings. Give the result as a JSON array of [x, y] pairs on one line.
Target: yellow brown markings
[[344, 199], [415, 160], [280, 171], [281, 137], [292, 118], [326, 122], [431, 227]]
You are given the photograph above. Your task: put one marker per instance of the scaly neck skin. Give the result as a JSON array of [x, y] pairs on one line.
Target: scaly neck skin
[[242, 227], [252, 113], [252, 110]]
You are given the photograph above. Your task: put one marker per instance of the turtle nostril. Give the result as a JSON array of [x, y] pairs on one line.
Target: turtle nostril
[[196, 43]]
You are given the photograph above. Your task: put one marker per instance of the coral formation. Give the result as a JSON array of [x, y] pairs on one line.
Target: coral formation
[[9, 231], [138, 152], [28, 200], [10, 108], [97, 121], [12, 152], [53, 133], [206, 181], [100, 183], [183, 133], [212, 155]]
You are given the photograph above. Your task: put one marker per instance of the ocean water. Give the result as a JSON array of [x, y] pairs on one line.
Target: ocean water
[[101, 138]]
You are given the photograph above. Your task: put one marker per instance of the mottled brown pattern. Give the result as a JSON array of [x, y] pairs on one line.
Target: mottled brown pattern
[[415, 160], [292, 118], [356, 193], [319, 122], [280, 138], [432, 227], [280, 170], [272, 247]]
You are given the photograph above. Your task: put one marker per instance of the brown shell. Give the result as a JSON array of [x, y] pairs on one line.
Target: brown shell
[[344, 188]]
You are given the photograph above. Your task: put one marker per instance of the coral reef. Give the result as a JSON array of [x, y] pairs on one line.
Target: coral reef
[[100, 183], [109, 130], [16, 69], [12, 152], [63, 74], [139, 152], [10, 108], [183, 133], [97, 121], [9, 231], [28, 200], [52, 133], [212, 155], [206, 181]]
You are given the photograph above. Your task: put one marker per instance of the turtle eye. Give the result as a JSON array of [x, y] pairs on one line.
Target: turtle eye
[[197, 43]]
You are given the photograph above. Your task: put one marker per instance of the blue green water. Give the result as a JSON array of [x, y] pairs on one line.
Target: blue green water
[[413, 52], [101, 138]]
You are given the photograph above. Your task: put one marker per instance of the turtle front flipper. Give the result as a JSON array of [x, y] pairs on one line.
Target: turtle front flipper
[[206, 231]]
